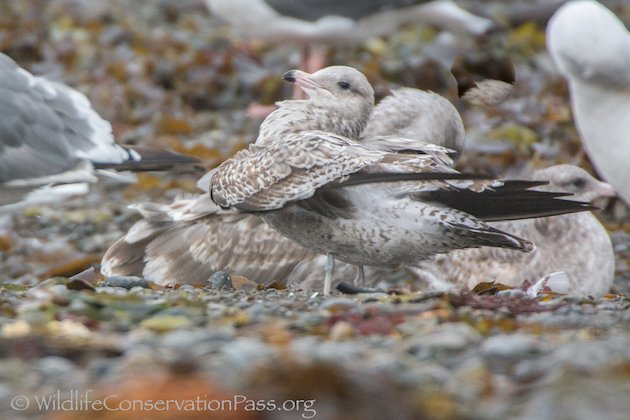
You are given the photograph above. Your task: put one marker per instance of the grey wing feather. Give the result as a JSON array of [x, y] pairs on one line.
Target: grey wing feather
[[47, 127]]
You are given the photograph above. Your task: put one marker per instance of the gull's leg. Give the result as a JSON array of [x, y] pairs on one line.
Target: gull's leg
[[259, 111], [314, 58], [360, 279], [298, 93], [330, 268]]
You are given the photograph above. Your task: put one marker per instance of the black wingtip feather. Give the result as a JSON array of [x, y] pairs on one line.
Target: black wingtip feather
[[513, 200], [154, 160], [497, 204]]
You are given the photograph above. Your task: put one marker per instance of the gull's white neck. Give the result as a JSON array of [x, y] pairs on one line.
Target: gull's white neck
[[345, 119]]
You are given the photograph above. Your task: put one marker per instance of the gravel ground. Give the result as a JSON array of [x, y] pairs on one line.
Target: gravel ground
[[168, 74], [367, 356]]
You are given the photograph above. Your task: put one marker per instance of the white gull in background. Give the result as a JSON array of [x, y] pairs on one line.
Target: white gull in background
[[309, 180], [321, 22], [192, 238], [591, 47], [575, 244], [339, 21], [52, 141]]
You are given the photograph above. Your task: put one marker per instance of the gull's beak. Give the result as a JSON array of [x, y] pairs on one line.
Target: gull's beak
[[604, 189], [302, 79]]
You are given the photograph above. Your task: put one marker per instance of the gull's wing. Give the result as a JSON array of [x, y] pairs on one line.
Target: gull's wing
[[477, 195], [288, 170], [294, 168], [47, 127], [312, 10], [50, 136], [502, 200]]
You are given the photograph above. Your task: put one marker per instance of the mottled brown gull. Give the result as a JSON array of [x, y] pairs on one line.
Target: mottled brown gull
[[52, 141], [575, 244], [591, 47], [190, 239], [294, 179], [327, 93], [418, 116]]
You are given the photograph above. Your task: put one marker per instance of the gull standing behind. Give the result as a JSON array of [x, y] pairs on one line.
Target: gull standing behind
[[576, 244], [52, 142], [591, 47], [307, 179], [192, 238], [314, 23]]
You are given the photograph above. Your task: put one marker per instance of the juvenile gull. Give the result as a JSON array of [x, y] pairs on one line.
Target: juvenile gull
[[591, 47], [305, 177], [190, 239], [419, 116], [576, 244], [51, 141]]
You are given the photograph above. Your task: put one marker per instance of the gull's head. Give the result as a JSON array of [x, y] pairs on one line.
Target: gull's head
[[343, 93], [338, 88], [575, 180], [587, 41], [336, 82]]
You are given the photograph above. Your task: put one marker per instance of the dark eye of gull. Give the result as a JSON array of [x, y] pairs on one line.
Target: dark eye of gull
[[344, 85], [579, 183]]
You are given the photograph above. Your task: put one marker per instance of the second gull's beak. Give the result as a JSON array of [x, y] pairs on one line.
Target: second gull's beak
[[302, 79], [606, 190]]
